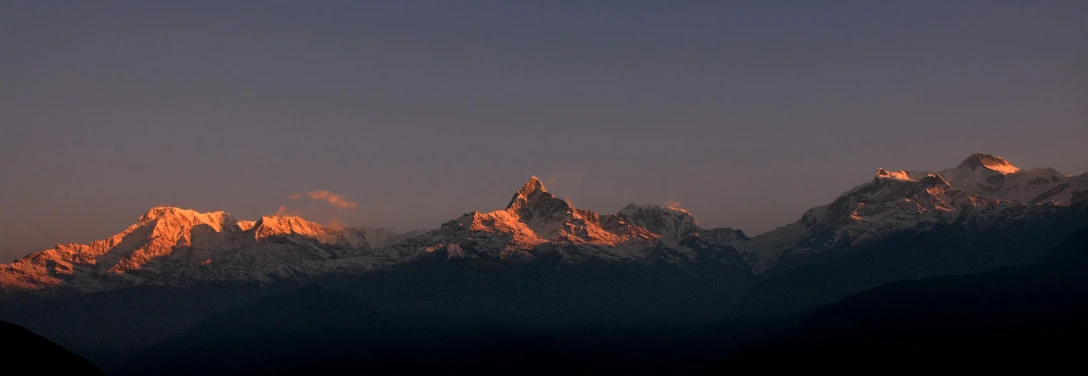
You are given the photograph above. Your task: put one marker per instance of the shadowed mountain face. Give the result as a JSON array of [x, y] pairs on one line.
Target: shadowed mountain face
[[314, 330], [21, 346], [318, 330], [1035, 316], [109, 326], [808, 281], [1023, 315]]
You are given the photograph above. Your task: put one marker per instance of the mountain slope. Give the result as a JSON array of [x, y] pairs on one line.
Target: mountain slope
[[321, 330], [21, 345], [173, 246], [314, 330], [980, 192], [1028, 316], [537, 224], [997, 178]]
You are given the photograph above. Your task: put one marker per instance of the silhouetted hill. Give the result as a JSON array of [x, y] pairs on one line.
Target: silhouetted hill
[[946, 249], [363, 327], [315, 330], [1031, 316], [25, 350], [108, 327]]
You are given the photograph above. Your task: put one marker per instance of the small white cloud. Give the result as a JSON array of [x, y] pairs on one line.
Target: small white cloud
[[335, 224], [282, 210], [334, 200]]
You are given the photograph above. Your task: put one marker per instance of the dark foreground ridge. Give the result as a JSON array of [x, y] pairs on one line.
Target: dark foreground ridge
[[22, 348], [1033, 316], [1028, 315]]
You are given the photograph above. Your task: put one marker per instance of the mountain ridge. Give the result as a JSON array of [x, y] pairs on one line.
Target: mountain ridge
[[896, 201], [174, 246], [25, 344]]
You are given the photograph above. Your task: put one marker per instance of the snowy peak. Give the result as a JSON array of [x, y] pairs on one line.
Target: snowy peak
[[300, 229], [531, 187], [533, 203], [162, 211], [896, 175], [933, 180], [982, 189], [536, 221], [286, 225], [672, 223], [217, 220], [994, 177], [924, 179], [990, 162], [245, 225], [170, 245], [166, 226]]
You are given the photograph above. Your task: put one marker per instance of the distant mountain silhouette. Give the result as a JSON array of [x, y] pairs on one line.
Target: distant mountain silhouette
[[22, 346], [462, 315], [108, 327], [318, 331], [1034, 316], [936, 250], [1012, 315]]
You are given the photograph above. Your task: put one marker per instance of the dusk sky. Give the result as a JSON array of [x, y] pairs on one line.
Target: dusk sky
[[410, 113]]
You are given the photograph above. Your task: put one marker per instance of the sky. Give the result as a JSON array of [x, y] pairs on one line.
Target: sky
[[406, 114]]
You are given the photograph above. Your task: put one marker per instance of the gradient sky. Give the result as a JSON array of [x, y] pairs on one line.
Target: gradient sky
[[747, 114]]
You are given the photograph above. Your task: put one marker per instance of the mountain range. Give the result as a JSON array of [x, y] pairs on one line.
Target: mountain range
[[186, 292], [170, 246]]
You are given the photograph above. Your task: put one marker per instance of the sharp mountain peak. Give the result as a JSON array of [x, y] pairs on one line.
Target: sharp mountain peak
[[532, 185], [988, 161]]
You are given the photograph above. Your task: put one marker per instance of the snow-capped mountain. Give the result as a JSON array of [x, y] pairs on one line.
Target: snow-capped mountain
[[996, 178], [670, 223], [981, 190], [178, 247], [174, 246], [537, 223]]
